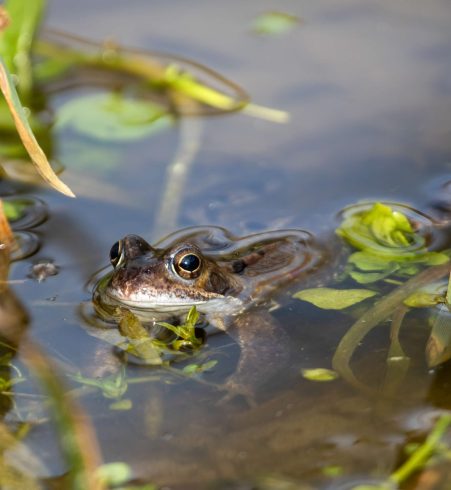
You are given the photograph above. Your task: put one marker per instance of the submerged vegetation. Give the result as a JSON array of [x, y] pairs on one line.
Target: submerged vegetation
[[392, 244]]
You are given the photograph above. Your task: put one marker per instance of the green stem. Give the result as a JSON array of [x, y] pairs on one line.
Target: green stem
[[378, 313], [152, 71], [420, 457]]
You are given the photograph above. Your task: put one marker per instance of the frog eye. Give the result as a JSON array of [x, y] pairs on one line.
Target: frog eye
[[187, 265], [116, 254]]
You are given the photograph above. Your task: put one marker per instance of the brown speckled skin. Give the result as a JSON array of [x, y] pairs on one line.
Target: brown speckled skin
[[150, 270]]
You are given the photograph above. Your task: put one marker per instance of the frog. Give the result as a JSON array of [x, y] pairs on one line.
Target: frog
[[230, 280]]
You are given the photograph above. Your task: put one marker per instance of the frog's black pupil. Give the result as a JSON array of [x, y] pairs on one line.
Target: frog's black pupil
[[114, 253], [189, 262]]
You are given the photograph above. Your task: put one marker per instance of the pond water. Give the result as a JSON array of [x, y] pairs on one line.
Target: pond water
[[367, 86]]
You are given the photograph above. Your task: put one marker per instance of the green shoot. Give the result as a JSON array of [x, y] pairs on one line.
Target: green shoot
[[186, 333]]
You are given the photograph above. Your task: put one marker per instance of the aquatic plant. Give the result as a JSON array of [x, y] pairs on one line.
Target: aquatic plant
[[392, 247]]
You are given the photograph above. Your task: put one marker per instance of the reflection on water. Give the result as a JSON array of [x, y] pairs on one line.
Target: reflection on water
[[367, 87]]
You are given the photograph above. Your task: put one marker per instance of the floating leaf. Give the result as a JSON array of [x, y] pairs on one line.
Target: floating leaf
[[113, 117], [274, 23], [319, 374], [334, 299], [26, 134]]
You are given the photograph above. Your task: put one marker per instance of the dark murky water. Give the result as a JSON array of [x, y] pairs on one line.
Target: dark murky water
[[367, 85]]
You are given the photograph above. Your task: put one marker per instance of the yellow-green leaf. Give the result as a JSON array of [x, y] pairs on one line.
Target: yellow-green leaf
[[319, 374], [422, 299], [368, 262], [113, 474], [334, 299]]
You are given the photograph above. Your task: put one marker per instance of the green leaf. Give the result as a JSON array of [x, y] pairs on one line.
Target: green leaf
[[409, 269], [112, 117], [15, 209], [186, 333], [369, 277], [274, 23], [17, 39], [113, 474], [319, 374], [113, 386], [192, 317], [427, 296], [434, 258], [199, 368], [368, 262], [381, 231], [334, 299], [387, 243], [422, 299], [389, 227]]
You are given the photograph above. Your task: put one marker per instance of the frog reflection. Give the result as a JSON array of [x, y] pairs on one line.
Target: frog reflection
[[228, 279]]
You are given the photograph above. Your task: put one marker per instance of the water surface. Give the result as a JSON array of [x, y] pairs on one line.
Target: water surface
[[367, 86]]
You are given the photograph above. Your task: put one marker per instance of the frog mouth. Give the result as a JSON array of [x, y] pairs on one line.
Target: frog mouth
[[170, 304]]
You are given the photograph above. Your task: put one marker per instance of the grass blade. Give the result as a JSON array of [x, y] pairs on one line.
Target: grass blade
[[26, 135], [78, 440]]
